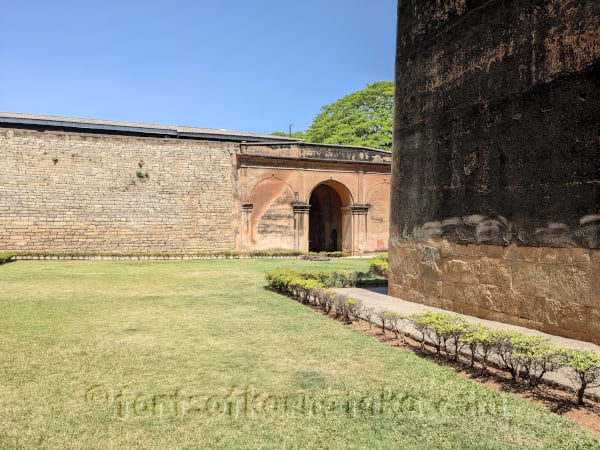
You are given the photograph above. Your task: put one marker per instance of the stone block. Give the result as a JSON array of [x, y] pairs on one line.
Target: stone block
[[492, 251], [446, 248], [511, 253], [430, 264], [434, 301], [581, 257], [432, 288], [501, 300], [532, 308], [410, 282], [412, 295], [529, 279], [593, 324], [594, 291], [595, 259], [572, 316], [497, 316], [461, 292], [395, 277], [468, 309], [473, 249], [564, 256], [447, 304], [552, 311], [466, 249], [405, 260], [529, 254], [495, 271], [395, 290], [568, 283], [462, 270], [547, 255]]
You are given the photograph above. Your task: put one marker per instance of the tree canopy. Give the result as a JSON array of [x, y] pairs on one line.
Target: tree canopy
[[362, 118], [295, 134]]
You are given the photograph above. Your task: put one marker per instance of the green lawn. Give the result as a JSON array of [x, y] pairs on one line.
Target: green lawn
[[197, 354]]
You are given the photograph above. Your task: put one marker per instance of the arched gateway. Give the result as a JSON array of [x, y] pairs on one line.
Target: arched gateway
[[326, 230], [330, 186]]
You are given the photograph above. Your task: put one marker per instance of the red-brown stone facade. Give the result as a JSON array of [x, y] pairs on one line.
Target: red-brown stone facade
[[314, 197]]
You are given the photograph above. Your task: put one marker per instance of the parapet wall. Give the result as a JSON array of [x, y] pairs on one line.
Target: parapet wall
[[81, 192]]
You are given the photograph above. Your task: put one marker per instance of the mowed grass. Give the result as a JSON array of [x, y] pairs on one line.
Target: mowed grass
[[198, 354]]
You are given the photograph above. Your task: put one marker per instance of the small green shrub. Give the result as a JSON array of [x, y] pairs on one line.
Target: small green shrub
[[390, 320], [480, 341], [367, 314], [584, 369], [505, 347], [380, 265], [395, 322], [354, 308], [537, 356]]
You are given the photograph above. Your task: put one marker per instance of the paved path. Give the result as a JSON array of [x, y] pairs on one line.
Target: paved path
[[377, 298]]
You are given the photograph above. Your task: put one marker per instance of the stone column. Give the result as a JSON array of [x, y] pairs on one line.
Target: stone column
[[246, 212], [347, 231], [301, 226], [359, 228]]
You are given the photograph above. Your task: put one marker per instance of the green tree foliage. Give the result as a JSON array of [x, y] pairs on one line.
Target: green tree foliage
[[363, 118], [585, 367], [481, 341], [295, 134], [380, 265]]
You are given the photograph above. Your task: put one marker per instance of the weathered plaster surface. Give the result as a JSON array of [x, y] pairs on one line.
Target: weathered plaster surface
[[274, 178]]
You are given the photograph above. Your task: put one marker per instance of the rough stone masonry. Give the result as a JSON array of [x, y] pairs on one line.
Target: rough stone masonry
[[103, 187], [496, 167]]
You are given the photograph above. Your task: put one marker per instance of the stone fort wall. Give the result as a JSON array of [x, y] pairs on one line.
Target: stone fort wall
[[496, 173], [76, 192]]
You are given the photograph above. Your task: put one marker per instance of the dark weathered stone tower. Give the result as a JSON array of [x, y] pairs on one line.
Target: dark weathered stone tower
[[496, 173]]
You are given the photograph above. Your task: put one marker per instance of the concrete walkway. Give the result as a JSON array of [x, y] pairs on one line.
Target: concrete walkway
[[377, 298]]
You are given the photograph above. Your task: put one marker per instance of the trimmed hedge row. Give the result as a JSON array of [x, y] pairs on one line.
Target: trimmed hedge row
[[522, 356], [326, 278], [380, 265], [311, 287], [221, 254]]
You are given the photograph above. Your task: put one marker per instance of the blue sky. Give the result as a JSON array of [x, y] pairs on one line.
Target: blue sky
[[254, 66]]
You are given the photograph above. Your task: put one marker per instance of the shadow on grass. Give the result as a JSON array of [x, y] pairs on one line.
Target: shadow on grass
[[554, 397], [547, 394]]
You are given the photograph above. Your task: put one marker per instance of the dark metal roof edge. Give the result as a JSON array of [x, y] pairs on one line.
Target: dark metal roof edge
[[87, 126], [166, 131]]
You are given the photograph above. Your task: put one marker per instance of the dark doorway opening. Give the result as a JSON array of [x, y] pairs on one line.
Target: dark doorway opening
[[325, 220]]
